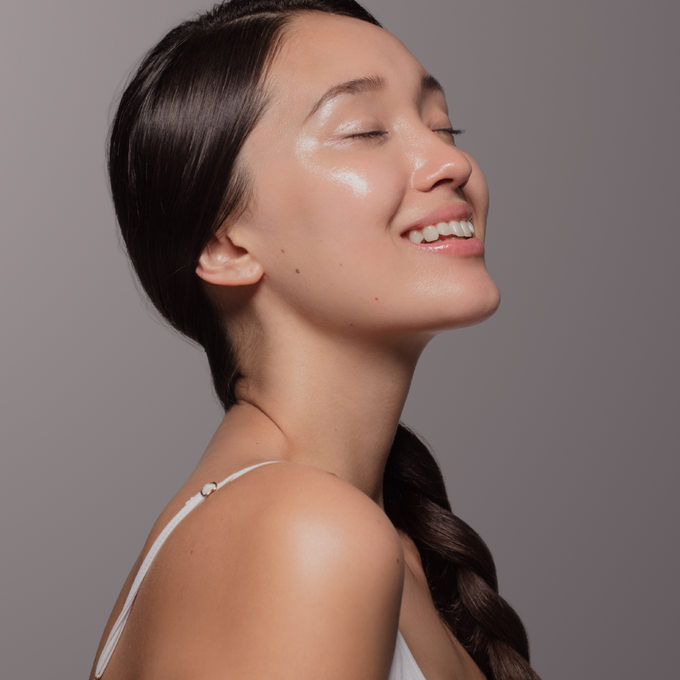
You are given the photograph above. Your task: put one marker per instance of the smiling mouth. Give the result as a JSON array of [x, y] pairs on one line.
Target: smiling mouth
[[441, 231]]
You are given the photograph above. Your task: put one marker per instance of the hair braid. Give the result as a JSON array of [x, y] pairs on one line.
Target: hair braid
[[460, 570]]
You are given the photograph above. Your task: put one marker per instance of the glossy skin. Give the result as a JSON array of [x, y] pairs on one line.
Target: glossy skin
[[331, 205], [292, 572]]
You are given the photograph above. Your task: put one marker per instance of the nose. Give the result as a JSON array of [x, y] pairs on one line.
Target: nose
[[437, 162]]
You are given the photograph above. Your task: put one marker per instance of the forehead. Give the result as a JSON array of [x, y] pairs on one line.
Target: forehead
[[321, 50]]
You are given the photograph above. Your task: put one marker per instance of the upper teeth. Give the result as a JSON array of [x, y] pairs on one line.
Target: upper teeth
[[432, 232]]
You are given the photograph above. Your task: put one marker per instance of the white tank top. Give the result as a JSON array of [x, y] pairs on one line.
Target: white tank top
[[404, 666]]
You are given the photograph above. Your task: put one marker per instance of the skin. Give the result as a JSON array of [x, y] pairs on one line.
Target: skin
[[294, 570]]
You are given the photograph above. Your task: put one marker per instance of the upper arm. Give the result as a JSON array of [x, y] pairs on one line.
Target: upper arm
[[309, 586]]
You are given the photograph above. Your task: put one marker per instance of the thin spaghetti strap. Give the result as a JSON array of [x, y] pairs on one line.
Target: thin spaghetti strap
[[194, 501]]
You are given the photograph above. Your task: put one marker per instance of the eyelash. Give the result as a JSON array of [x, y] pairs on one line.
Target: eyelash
[[451, 131], [378, 133], [369, 135]]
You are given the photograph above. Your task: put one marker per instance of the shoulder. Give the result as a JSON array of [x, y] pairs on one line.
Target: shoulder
[[315, 531], [290, 506], [292, 556]]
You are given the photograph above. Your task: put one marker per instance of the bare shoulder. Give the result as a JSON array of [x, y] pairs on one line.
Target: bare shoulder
[[299, 503], [289, 514], [287, 571], [303, 520]]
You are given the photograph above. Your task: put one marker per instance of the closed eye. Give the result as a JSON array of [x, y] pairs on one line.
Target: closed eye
[[451, 131], [372, 134]]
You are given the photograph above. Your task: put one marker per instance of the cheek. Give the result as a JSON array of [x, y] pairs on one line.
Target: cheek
[[350, 181], [307, 201], [364, 184], [324, 240]]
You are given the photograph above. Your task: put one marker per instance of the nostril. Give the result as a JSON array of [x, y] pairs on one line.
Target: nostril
[[441, 182]]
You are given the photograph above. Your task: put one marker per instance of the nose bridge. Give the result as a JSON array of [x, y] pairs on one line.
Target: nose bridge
[[435, 160]]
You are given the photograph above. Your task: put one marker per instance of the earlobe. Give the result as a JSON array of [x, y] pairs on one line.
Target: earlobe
[[224, 264]]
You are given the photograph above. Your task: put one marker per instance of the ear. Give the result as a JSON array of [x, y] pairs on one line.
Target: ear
[[225, 264]]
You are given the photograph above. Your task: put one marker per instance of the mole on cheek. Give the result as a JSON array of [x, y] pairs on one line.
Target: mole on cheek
[[376, 299], [297, 271], [282, 250]]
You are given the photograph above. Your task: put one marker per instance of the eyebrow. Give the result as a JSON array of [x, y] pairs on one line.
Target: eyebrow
[[428, 83], [356, 86]]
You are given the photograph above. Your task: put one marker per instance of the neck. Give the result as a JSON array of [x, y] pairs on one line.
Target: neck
[[331, 403]]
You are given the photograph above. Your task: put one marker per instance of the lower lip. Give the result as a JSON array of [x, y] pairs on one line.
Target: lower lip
[[460, 247]]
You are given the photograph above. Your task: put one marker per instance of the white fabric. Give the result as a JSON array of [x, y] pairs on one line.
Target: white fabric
[[404, 666]]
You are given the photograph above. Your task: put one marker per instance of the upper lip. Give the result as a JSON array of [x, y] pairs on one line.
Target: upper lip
[[444, 213]]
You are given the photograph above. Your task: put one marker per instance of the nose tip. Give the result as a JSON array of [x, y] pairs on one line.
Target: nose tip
[[440, 163]]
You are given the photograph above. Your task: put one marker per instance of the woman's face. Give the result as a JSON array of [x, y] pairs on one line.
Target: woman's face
[[352, 154]]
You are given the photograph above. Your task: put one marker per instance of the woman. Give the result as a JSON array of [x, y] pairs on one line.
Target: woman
[[291, 197]]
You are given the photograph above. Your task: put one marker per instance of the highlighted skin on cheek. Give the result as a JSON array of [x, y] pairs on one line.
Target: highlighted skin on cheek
[[356, 183], [306, 147]]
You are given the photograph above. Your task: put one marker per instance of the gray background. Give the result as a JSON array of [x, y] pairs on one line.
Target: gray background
[[555, 421]]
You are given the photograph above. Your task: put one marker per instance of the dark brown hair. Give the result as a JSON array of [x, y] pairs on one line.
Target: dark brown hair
[[173, 166]]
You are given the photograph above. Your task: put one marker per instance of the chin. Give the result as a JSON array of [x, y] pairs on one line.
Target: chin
[[490, 305], [480, 303]]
